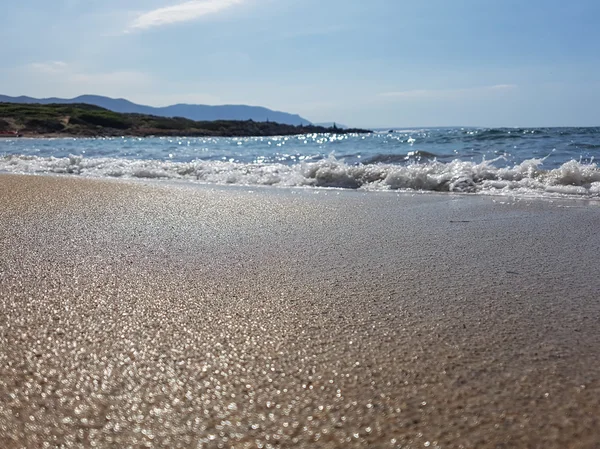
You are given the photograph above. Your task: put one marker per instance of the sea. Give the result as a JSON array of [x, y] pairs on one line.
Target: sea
[[521, 162]]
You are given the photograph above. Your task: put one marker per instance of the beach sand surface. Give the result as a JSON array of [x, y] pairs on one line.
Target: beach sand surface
[[171, 316]]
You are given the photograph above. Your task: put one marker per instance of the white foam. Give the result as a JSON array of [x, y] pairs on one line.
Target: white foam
[[528, 178]]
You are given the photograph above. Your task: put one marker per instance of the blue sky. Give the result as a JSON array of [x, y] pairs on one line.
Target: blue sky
[[379, 63]]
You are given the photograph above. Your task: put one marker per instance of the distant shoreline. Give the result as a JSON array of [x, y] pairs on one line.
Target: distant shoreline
[[84, 120], [29, 135], [174, 133]]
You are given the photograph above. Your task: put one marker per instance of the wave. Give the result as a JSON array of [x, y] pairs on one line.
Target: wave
[[496, 134], [418, 155], [585, 146], [514, 133], [573, 178]]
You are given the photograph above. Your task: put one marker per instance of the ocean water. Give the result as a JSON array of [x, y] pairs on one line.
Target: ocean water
[[550, 162]]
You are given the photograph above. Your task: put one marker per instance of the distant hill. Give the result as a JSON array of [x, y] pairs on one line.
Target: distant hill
[[85, 120], [195, 112]]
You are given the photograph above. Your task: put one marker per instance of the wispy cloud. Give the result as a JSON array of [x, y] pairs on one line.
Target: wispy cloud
[[448, 93], [182, 12], [69, 79], [62, 76], [50, 67]]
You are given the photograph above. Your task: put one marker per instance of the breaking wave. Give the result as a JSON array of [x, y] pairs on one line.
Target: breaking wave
[[572, 178], [415, 156]]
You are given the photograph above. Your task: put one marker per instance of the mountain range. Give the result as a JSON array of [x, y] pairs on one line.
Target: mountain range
[[196, 112]]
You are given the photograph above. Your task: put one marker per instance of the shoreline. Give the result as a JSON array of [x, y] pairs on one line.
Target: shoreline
[[143, 312], [496, 197], [29, 135]]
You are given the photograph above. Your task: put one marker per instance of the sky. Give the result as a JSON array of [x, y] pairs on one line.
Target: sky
[[376, 63]]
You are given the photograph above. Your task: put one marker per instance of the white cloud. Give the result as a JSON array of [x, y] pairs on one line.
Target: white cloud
[[48, 67], [159, 99], [68, 80], [59, 78], [182, 12], [112, 79], [448, 93]]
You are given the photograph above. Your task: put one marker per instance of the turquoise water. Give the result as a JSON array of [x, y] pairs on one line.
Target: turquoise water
[[535, 161]]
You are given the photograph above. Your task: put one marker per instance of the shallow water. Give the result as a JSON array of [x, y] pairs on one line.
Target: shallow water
[[529, 162]]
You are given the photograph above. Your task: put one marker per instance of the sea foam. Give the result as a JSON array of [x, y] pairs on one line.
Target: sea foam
[[572, 178]]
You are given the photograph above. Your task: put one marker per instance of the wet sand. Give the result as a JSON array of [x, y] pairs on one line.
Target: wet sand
[[139, 315]]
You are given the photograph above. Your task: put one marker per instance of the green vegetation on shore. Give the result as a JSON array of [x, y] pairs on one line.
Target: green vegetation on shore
[[84, 120]]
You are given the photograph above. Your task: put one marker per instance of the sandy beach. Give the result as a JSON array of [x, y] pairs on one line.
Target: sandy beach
[[175, 316]]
